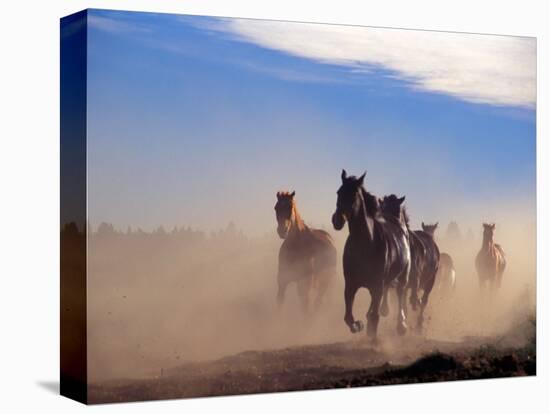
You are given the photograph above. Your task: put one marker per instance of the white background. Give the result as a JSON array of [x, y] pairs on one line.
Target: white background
[[29, 194]]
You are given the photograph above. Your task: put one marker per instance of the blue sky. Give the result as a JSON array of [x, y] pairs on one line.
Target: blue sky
[[199, 121]]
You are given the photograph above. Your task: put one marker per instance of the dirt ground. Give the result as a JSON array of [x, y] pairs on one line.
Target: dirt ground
[[339, 365]]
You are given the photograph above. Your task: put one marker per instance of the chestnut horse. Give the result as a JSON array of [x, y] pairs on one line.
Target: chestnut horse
[[490, 261], [307, 256], [376, 255]]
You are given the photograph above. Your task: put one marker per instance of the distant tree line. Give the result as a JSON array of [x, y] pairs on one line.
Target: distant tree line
[[182, 233]]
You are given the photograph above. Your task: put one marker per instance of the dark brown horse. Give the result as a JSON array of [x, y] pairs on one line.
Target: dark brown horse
[[424, 262], [307, 256], [490, 261], [376, 254], [425, 279]]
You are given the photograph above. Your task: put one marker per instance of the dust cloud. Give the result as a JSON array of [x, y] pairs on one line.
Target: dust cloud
[[161, 299]]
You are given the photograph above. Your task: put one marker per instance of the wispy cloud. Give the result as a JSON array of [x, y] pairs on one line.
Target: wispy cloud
[[115, 25], [498, 70], [288, 74]]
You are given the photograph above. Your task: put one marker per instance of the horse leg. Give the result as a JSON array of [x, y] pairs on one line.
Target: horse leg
[[493, 277], [413, 284], [481, 284], [373, 315], [384, 308], [304, 289], [324, 278], [499, 279], [495, 283], [282, 282], [349, 295], [401, 306], [427, 289], [500, 270]]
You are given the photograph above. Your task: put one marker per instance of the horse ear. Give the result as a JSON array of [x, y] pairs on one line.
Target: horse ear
[[292, 194], [436, 224], [278, 195], [401, 200], [493, 226], [344, 175], [362, 178], [423, 226]]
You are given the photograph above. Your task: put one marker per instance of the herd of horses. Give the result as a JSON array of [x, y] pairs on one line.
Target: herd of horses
[[381, 253]]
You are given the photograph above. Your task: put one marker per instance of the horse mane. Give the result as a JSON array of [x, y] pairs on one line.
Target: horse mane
[[297, 218], [406, 217], [371, 203], [298, 221]]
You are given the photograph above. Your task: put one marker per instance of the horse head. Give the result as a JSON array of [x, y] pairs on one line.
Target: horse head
[[488, 231], [430, 228], [347, 202], [284, 210], [393, 206]]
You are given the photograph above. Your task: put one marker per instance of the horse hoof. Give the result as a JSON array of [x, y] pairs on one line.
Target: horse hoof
[[357, 326], [402, 328], [384, 311]]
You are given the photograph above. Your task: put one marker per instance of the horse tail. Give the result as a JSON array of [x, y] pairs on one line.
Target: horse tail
[[452, 276]]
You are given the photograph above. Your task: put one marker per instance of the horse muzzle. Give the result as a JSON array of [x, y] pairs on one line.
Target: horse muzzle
[[282, 231], [338, 220]]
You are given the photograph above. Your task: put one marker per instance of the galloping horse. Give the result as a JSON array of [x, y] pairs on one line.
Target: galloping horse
[[490, 261], [424, 262], [426, 279], [446, 275], [376, 254], [307, 256]]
